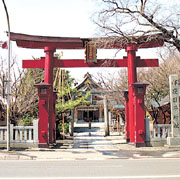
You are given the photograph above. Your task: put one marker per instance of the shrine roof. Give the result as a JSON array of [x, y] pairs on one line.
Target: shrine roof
[[88, 82], [39, 42]]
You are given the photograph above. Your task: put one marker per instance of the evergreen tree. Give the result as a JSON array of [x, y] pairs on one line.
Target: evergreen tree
[[68, 98]]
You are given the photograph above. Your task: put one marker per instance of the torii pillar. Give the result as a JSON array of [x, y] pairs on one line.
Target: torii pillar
[[47, 100], [132, 78]]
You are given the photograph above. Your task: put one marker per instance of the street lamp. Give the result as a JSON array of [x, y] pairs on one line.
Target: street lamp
[[8, 80]]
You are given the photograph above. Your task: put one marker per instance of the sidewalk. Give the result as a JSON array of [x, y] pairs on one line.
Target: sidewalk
[[91, 146]]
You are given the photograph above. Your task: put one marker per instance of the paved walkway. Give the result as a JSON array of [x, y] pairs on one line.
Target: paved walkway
[[91, 139], [91, 145]]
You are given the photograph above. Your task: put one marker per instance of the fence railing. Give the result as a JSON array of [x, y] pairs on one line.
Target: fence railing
[[20, 134], [161, 131]]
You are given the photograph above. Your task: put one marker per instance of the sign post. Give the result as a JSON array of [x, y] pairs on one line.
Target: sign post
[[174, 102]]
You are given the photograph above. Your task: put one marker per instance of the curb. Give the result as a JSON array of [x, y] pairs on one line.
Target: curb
[[91, 156]]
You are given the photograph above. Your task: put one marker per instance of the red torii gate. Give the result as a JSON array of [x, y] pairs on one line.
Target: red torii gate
[[50, 44]]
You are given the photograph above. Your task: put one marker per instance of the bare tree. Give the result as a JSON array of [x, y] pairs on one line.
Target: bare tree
[[24, 99], [158, 89], [132, 19], [115, 84], [24, 95]]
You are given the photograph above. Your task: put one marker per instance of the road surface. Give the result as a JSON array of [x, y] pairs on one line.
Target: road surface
[[91, 170]]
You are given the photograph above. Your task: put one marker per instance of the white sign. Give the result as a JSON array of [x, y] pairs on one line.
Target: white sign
[[174, 101]]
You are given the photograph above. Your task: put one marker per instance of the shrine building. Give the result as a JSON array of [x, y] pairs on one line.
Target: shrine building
[[95, 111]]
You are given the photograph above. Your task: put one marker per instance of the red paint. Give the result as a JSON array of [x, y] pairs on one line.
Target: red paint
[[48, 65], [132, 78], [80, 63], [5, 45], [48, 78], [44, 90], [39, 42], [131, 61], [139, 113], [55, 45], [127, 130], [50, 44], [33, 63], [54, 119]]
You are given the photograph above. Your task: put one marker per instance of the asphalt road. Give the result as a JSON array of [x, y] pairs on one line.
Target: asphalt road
[[91, 170]]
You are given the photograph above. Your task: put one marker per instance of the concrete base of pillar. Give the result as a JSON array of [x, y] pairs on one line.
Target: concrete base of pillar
[[173, 141], [152, 143], [140, 144], [101, 120], [131, 143], [137, 144], [43, 145], [71, 128]]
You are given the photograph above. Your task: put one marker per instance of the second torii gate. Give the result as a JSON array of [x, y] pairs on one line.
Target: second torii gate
[[50, 44]]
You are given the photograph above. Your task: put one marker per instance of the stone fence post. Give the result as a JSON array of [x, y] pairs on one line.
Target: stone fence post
[[35, 128], [11, 132], [106, 118], [147, 130]]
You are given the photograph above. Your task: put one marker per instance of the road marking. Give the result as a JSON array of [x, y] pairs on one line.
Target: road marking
[[92, 178], [139, 156]]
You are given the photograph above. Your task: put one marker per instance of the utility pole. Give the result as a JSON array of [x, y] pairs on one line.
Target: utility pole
[[63, 74], [8, 80]]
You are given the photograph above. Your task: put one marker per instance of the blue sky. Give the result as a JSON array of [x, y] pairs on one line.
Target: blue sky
[[68, 18]]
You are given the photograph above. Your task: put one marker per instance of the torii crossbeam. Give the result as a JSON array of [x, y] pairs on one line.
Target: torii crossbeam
[[79, 63], [50, 44]]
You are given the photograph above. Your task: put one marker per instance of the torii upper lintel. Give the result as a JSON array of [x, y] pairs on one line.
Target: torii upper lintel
[[40, 42]]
